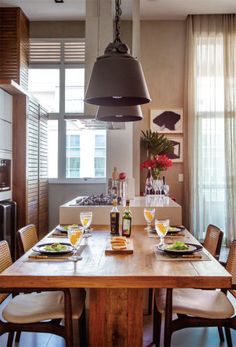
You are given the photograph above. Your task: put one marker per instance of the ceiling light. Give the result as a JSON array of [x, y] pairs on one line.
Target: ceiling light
[[119, 114], [117, 78]]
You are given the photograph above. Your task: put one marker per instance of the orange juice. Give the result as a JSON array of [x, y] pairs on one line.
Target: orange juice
[[85, 221], [73, 238], [149, 215], [162, 228]]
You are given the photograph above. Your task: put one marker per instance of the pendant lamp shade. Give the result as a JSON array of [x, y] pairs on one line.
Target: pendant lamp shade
[[117, 79], [119, 114]]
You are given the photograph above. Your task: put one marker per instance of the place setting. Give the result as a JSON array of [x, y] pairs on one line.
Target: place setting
[[61, 251], [178, 250]]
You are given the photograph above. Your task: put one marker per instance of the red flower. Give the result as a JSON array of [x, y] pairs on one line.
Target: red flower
[[159, 163]]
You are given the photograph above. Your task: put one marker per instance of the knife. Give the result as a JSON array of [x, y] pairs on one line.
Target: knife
[[45, 257]]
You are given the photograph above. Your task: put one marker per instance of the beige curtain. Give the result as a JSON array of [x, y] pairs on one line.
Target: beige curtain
[[210, 107]]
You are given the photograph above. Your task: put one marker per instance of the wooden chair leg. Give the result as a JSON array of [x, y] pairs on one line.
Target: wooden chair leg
[[150, 300], [156, 326], [82, 329], [18, 336], [10, 338], [168, 318], [221, 334], [228, 337], [68, 319]]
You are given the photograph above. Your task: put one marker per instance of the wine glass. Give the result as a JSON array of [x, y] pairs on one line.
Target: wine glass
[[162, 227], [86, 220], [148, 185], [149, 214], [75, 235], [160, 185], [166, 189], [155, 186]]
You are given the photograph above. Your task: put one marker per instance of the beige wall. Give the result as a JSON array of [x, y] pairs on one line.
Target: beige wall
[[162, 52], [162, 57]]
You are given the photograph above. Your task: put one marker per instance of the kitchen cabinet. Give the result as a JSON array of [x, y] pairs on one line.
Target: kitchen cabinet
[[14, 42], [5, 136]]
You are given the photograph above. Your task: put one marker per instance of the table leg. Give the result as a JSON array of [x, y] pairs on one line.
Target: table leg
[[116, 317]]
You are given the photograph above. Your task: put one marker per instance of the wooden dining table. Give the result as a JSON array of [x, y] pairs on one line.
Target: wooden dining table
[[116, 282]]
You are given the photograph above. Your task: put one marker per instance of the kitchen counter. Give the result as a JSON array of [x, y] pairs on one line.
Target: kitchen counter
[[165, 208]]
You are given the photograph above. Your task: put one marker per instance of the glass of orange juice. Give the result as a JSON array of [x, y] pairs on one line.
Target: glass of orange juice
[[86, 220], [149, 214], [162, 227], [75, 235]]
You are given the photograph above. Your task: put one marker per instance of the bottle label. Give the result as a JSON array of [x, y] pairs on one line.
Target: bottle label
[[126, 227]]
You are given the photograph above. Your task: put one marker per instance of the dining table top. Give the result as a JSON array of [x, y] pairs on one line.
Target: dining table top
[[142, 269]]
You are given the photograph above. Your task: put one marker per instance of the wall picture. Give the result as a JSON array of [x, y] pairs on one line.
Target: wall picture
[[167, 121], [177, 155]]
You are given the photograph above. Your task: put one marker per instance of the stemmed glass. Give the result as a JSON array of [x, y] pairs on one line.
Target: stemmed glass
[[155, 186], [148, 185], [149, 214], [160, 185], [86, 220], [75, 235], [162, 227], [166, 189]]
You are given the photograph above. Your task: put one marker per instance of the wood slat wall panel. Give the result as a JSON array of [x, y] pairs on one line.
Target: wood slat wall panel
[[14, 45], [43, 170], [32, 163]]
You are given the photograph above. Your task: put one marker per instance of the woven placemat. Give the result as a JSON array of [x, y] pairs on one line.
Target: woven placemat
[[34, 256], [197, 256]]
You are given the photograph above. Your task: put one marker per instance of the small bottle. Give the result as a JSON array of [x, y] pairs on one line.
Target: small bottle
[[126, 221], [115, 174], [114, 218]]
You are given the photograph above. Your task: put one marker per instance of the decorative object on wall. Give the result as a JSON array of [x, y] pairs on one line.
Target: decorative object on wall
[[167, 121], [117, 78], [177, 142]]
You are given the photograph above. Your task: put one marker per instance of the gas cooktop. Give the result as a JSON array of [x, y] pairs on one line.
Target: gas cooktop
[[94, 200]]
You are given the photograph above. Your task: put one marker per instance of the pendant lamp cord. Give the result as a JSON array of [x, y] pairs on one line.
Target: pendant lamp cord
[[117, 20]]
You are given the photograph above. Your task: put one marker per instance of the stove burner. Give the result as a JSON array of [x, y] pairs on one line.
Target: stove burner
[[94, 200]]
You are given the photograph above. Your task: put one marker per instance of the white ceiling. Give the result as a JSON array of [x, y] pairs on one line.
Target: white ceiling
[[150, 9]]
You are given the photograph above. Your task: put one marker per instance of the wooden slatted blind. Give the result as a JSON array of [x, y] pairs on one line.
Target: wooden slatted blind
[[44, 51]]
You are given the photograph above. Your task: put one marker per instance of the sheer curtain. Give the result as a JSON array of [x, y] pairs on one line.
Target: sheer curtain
[[210, 105]]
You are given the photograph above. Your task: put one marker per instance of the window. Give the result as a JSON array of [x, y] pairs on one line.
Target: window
[[210, 132], [72, 155], [100, 156], [56, 78]]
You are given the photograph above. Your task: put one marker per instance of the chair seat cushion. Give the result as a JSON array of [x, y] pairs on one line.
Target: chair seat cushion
[[197, 303], [36, 307]]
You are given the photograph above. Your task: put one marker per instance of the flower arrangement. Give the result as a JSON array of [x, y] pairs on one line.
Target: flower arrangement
[[157, 164]]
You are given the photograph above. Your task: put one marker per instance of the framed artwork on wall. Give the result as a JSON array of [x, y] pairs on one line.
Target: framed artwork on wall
[[168, 121], [177, 155]]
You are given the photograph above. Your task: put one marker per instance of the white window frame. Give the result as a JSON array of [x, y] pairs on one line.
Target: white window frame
[[62, 66]]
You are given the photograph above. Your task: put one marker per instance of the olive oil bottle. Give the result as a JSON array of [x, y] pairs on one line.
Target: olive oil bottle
[[114, 218], [126, 221]]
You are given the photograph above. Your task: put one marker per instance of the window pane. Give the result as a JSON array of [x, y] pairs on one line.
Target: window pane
[[74, 90], [100, 141], [52, 148], [83, 159], [44, 85]]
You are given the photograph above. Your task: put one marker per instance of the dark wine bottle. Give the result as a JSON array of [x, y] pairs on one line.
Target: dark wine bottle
[[114, 218]]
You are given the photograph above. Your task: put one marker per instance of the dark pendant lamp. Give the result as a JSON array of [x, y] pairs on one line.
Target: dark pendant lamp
[[119, 114], [117, 78]]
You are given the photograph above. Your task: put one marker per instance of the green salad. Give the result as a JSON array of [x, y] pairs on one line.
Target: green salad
[[178, 246], [55, 247], [66, 227]]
